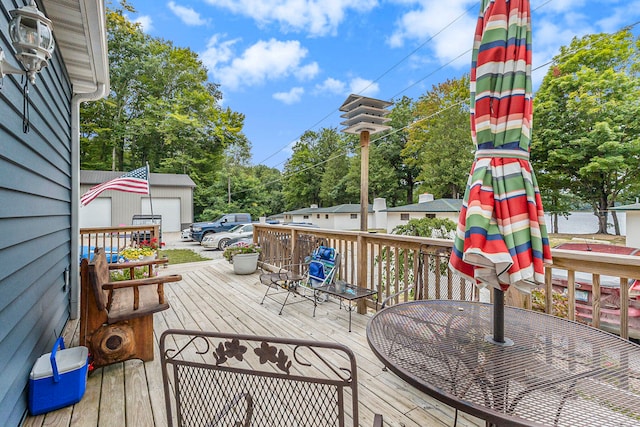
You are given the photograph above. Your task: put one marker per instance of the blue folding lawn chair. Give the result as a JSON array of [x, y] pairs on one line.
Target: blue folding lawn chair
[[323, 266]]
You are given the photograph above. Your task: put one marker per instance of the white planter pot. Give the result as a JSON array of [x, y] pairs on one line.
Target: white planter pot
[[245, 263]]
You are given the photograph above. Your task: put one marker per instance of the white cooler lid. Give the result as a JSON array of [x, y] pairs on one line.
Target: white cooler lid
[[67, 360]]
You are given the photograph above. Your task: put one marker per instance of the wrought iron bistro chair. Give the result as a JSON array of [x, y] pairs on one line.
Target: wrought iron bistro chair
[[319, 269], [221, 379]]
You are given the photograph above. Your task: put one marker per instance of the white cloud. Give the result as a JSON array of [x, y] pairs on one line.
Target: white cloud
[[331, 86], [364, 87], [217, 52], [308, 71], [186, 14], [555, 24], [261, 62], [317, 17], [146, 23], [626, 14], [292, 97], [426, 22]]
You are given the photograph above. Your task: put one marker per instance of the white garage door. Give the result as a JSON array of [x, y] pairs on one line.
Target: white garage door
[[96, 214], [168, 208]]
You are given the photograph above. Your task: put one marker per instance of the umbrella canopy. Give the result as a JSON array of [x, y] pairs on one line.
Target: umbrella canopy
[[501, 239]]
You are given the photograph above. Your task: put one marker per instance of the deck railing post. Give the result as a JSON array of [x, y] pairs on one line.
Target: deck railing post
[[361, 259]]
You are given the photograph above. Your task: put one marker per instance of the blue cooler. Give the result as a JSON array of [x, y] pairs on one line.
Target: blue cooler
[[58, 379]]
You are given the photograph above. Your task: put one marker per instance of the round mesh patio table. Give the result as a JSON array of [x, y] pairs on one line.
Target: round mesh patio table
[[556, 373]]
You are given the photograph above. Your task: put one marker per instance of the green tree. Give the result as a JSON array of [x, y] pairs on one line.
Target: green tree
[[383, 178], [303, 174], [438, 228], [161, 110], [440, 139], [586, 122], [390, 151], [315, 172]]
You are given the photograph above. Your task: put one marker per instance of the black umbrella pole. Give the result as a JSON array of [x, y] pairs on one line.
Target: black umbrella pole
[[498, 315]]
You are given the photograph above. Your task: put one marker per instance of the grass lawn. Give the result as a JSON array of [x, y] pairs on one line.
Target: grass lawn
[[556, 239], [179, 256]]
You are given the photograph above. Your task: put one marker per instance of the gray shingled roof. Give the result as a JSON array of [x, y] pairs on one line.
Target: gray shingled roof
[[438, 205], [631, 207], [345, 208], [159, 179]]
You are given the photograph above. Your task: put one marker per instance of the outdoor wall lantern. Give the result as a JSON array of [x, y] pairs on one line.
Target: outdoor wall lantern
[[32, 37]]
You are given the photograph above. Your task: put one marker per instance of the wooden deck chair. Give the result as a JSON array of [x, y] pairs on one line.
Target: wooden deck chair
[[222, 379], [116, 320]]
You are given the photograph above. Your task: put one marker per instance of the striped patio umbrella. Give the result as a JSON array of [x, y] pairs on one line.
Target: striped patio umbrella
[[501, 239]]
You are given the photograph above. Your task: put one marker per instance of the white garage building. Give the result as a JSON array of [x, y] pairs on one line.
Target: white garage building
[[171, 196]]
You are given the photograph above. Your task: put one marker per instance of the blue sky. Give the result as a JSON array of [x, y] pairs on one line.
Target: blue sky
[[288, 65]]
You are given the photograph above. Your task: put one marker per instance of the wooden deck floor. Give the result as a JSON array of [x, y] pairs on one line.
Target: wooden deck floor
[[211, 297]]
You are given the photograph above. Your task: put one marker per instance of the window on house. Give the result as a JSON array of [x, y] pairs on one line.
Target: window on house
[[326, 216], [404, 216], [318, 216], [430, 215], [305, 216], [354, 216]]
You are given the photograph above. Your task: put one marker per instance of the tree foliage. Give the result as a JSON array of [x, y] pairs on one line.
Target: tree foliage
[[440, 139], [586, 138], [389, 153], [161, 109], [438, 228]]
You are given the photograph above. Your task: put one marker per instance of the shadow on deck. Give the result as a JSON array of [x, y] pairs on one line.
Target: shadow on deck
[[211, 297]]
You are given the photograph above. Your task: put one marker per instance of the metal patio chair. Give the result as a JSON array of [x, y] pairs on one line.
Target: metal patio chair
[[221, 379], [319, 269]]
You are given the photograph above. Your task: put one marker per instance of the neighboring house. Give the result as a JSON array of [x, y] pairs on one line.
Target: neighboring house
[[426, 207], [39, 189], [339, 217], [347, 216], [632, 224], [171, 196]]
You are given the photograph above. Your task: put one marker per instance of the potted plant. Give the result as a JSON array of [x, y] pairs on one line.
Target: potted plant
[[244, 257]]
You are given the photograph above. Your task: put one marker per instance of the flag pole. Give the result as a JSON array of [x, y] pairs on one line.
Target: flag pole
[[149, 186]]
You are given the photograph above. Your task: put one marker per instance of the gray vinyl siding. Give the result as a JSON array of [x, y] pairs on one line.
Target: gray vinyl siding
[[35, 223]]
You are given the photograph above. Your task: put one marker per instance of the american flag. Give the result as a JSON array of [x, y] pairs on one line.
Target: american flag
[[136, 181]]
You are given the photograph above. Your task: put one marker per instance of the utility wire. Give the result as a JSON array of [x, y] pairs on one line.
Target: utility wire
[[394, 66], [341, 153], [387, 71]]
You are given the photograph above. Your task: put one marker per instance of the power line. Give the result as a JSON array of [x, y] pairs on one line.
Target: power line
[[625, 28], [387, 71], [394, 66]]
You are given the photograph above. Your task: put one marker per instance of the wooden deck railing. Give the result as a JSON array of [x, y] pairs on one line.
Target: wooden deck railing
[[388, 263], [114, 239]]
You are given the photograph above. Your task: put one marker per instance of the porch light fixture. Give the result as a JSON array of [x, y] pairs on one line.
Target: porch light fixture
[[32, 37]]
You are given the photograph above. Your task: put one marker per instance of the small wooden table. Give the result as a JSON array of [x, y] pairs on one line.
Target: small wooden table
[[347, 292], [557, 372]]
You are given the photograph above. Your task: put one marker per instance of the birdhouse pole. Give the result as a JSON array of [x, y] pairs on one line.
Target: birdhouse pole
[[364, 116], [364, 180]]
